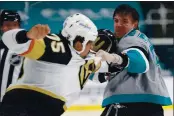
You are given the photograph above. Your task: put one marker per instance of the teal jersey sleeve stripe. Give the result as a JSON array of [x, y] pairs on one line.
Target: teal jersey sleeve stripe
[[138, 62]]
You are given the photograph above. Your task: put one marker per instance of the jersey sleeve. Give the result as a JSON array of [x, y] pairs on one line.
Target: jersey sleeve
[[137, 52], [134, 42], [9, 39], [51, 48]]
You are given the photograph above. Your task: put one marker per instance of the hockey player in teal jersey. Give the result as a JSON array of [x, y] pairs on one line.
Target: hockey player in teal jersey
[[138, 89]]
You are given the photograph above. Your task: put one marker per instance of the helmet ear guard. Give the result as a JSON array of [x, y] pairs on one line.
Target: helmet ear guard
[[78, 25]]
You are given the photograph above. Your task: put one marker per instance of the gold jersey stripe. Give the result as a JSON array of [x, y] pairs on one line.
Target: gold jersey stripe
[[34, 88], [36, 49]]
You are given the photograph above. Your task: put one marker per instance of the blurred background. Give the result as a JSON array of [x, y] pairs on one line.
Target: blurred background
[[156, 21]]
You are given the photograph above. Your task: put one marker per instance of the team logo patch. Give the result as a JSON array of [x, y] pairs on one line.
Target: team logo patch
[[15, 59]]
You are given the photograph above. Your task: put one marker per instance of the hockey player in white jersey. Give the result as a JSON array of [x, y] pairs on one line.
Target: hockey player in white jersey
[[54, 71]]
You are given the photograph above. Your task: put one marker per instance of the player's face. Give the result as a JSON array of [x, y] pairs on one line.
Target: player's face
[[78, 46], [123, 24], [9, 25]]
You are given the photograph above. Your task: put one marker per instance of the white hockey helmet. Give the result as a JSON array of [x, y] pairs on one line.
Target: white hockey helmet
[[79, 25]]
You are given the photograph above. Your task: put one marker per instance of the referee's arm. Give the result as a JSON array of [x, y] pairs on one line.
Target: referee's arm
[[2, 45]]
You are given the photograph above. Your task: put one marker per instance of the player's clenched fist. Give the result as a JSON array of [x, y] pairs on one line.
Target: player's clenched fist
[[38, 31]]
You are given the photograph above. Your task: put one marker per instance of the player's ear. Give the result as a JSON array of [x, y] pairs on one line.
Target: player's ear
[[135, 24]]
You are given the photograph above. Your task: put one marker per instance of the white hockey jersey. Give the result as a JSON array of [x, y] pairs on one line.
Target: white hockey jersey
[[51, 66]]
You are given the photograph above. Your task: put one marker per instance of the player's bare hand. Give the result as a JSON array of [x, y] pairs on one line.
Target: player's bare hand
[[38, 31]]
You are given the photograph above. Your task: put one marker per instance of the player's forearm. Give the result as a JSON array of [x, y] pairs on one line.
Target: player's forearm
[[16, 40], [133, 59], [117, 60]]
